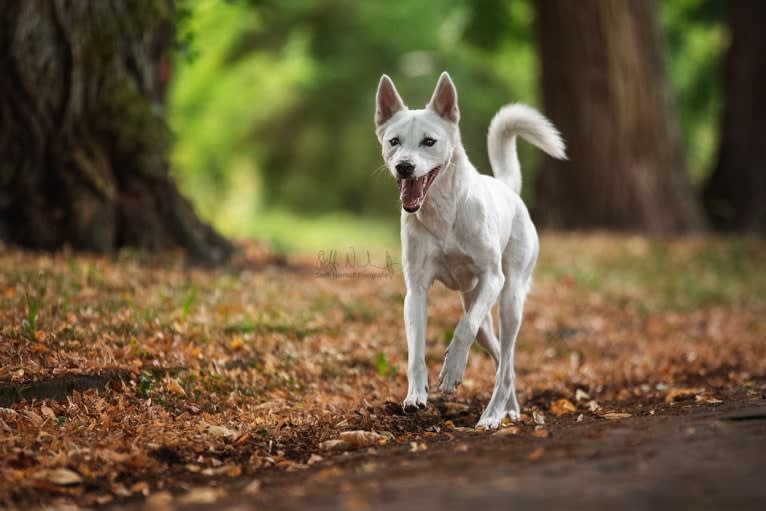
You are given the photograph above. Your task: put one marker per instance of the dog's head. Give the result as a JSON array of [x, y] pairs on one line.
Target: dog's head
[[417, 144]]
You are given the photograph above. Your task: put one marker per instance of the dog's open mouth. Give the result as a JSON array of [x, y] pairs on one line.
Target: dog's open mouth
[[413, 191]]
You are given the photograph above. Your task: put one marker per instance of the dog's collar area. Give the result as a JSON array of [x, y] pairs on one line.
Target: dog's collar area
[[412, 192]]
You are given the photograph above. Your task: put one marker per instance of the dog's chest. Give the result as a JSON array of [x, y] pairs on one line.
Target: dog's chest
[[455, 268]]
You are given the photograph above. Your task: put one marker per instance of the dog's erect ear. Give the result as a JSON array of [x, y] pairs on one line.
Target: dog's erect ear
[[387, 101], [444, 100]]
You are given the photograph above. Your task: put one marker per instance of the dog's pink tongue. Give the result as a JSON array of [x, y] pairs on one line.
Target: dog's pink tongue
[[410, 191]]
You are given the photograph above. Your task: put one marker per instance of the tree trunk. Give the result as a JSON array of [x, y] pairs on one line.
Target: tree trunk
[[604, 87], [735, 194], [83, 141]]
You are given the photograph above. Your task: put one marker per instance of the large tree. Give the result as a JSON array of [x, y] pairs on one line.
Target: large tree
[[735, 195], [605, 88], [83, 140]]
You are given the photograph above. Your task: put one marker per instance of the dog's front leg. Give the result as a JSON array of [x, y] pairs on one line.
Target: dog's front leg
[[415, 321], [486, 293]]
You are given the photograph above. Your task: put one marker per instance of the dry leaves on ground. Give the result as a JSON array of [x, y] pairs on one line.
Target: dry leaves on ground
[[183, 375]]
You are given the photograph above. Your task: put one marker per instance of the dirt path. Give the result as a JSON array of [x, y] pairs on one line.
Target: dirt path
[[693, 457]]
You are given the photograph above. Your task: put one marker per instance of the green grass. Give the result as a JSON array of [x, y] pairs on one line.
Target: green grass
[[653, 274], [335, 231]]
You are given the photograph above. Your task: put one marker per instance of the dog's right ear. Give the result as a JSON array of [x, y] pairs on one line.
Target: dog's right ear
[[387, 101]]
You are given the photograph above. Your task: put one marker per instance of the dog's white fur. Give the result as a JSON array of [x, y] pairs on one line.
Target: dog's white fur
[[472, 232]]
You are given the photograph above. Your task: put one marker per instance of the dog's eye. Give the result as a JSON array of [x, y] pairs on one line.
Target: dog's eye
[[394, 141], [428, 142]]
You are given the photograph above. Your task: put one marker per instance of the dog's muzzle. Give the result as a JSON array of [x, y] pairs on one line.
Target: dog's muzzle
[[413, 191]]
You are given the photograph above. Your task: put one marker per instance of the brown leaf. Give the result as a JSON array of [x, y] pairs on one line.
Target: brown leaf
[[35, 419], [359, 438], [62, 476], [510, 430], [48, 412], [174, 387], [681, 394], [562, 406], [335, 444], [236, 344], [614, 416]]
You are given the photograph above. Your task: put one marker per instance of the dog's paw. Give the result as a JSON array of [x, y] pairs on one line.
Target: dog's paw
[[490, 420], [451, 374], [416, 400]]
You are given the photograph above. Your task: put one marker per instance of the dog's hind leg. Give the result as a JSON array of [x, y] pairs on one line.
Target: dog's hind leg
[[503, 401], [486, 334]]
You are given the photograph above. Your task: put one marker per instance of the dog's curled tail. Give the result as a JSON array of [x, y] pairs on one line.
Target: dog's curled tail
[[532, 126]]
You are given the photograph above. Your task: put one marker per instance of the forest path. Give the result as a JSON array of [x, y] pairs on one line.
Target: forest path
[[694, 457]]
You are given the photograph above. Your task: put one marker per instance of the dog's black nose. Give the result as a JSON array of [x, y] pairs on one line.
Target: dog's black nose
[[405, 169]]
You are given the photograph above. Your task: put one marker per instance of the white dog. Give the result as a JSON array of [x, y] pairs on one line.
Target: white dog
[[470, 231]]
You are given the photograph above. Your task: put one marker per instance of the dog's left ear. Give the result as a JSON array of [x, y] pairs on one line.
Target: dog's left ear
[[444, 100]]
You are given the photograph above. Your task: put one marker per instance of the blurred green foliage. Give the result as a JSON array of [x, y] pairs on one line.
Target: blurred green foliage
[[272, 101]]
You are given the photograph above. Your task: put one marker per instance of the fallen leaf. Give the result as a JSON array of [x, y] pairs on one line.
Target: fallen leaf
[[538, 417], [681, 394], [613, 416], [227, 470], [360, 438], [541, 432], [38, 348], [418, 447], [62, 476], [174, 387], [336, 444], [708, 400], [48, 412], [510, 430], [236, 344], [314, 458], [218, 431], [140, 487], [562, 406], [581, 395], [35, 419], [454, 408]]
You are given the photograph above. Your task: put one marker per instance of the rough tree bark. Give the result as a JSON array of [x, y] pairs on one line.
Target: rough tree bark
[[604, 87], [735, 194], [83, 140]]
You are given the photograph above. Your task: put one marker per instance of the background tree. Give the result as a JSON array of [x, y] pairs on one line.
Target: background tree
[[735, 194], [604, 86], [83, 140]]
